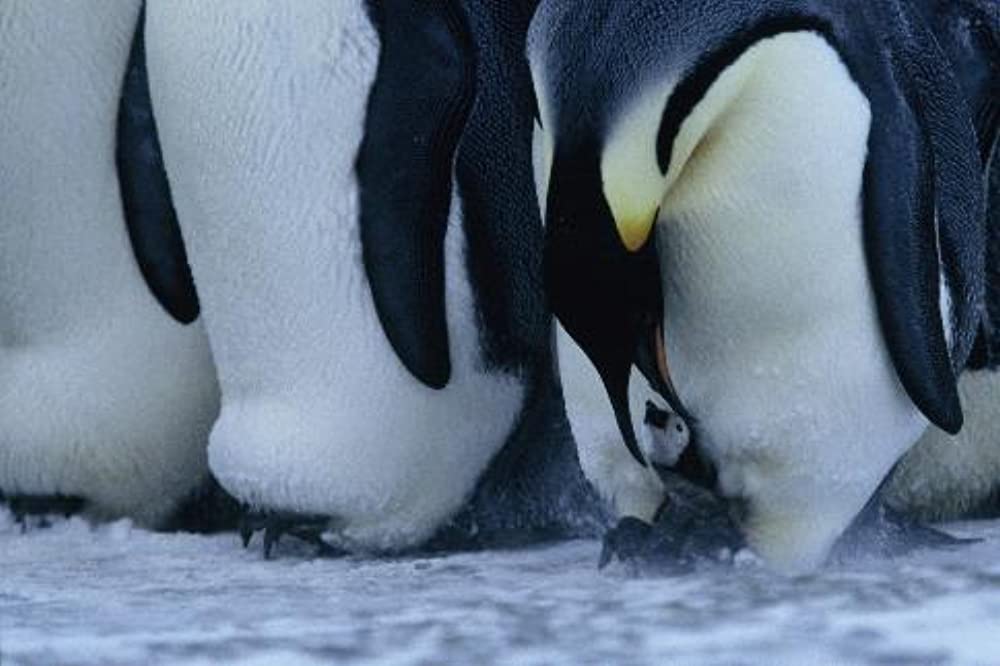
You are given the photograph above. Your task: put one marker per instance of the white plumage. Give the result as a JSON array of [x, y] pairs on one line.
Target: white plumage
[[102, 394], [770, 324], [261, 108], [944, 477]]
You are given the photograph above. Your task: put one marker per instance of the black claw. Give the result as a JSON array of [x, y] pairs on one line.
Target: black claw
[[607, 554], [37, 509], [308, 529], [272, 535], [246, 532]]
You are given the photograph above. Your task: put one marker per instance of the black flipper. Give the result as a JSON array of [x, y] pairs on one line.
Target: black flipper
[[969, 33], [923, 214], [533, 490], [901, 245], [989, 117], [417, 111], [946, 117], [980, 74], [149, 211], [500, 216], [986, 354]]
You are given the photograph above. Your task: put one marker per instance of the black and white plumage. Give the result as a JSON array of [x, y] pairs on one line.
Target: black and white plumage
[[368, 257], [107, 388], [773, 211]]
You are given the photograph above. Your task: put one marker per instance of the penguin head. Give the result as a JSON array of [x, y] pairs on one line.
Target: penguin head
[[627, 94]]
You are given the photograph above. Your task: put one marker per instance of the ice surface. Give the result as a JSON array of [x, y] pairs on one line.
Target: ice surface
[[76, 594]]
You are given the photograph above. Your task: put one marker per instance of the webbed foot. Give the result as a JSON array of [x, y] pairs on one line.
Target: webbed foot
[[880, 530], [693, 525], [37, 509], [631, 540], [274, 525]]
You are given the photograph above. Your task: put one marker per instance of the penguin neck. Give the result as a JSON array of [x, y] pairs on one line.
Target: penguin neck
[[697, 132]]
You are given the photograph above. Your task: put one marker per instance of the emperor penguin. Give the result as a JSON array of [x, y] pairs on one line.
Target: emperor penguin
[[771, 215], [107, 388], [353, 183]]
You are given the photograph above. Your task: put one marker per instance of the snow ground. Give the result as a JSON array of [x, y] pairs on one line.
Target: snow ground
[[77, 594]]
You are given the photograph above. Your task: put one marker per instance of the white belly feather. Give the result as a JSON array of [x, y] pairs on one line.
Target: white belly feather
[[770, 325], [262, 107], [944, 477], [102, 394]]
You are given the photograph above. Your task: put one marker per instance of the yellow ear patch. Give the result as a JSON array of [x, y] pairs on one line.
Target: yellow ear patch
[[634, 230], [634, 187]]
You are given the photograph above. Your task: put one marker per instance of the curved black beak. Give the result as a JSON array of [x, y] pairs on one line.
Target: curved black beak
[[607, 298]]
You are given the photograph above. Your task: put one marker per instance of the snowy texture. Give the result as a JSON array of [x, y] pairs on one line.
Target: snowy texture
[[75, 594]]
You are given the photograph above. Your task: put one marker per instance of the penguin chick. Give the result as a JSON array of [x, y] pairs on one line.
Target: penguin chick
[[665, 436]]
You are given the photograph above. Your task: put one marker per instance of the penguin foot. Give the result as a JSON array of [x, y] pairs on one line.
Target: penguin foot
[[636, 543], [691, 526], [37, 510], [307, 529], [882, 531]]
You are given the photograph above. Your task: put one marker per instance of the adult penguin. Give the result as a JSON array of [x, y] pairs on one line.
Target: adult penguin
[[774, 211], [353, 181], [107, 389], [948, 477]]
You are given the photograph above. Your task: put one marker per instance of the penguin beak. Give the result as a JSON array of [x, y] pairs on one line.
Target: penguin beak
[[607, 296], [651, 360]]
